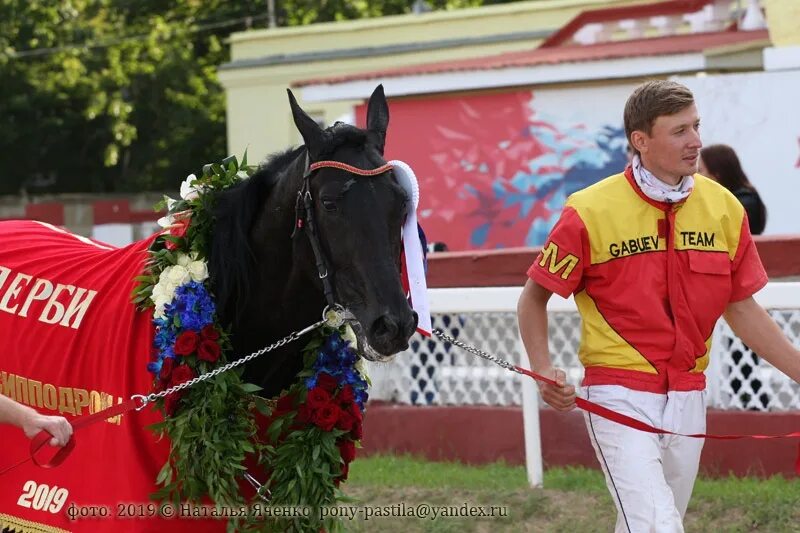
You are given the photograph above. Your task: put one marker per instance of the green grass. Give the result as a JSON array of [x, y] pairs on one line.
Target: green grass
[[573, 499]]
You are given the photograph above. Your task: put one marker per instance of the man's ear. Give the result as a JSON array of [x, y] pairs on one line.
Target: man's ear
[[639, 140]]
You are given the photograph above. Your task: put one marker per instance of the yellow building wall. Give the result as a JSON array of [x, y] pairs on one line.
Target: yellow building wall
[[258, 117], [783, 21]]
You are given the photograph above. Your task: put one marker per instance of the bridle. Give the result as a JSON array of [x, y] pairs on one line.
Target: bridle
[[304, 215]]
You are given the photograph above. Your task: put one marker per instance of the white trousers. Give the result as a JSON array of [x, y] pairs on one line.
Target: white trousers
[[650, 477]]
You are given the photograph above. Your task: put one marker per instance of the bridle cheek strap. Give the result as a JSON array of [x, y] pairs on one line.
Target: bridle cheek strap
[[305, 216]]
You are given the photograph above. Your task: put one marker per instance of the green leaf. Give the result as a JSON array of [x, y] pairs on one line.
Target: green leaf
[[250, 388]]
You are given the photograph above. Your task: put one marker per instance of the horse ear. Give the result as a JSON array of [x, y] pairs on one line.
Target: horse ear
[[313, 135], [378, 115]]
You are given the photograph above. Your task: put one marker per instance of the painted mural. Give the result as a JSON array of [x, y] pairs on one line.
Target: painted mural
[[495, 169], [757, 115]]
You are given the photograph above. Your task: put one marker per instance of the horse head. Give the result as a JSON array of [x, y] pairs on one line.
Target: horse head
[[356, 220], [296, 237]]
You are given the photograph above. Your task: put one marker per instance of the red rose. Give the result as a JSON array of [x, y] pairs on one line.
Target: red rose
[[186, 343], [285, 404], [348, 450], [346, 396], [180, 227], [346, 421], [171, 403], [356, 412], [326, 416], [327, 382], [358, 431], [178, 230], [208, 351], [166, 369], [343, 475], [304, 414], [181, 374], [317, 397], [209, 333]]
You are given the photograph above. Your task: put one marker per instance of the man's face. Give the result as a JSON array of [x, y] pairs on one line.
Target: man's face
[[672, 149]]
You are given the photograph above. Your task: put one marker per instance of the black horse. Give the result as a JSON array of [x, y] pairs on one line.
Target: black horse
[[264, 268], [74, 343]]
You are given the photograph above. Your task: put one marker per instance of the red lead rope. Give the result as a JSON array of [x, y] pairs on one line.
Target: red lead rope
[[625, 420], [43, 437]]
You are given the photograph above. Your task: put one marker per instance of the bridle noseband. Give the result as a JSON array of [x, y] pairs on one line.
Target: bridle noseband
[[304, 216]]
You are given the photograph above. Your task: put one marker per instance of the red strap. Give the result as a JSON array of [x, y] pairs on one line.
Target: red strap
[[43, 437], [625, 420]]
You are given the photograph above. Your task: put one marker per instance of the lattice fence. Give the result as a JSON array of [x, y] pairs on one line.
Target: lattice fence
[[432, 372]]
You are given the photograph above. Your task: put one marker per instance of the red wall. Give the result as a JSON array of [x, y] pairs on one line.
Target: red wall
[[479, 434], [497, 268], [483, 434]]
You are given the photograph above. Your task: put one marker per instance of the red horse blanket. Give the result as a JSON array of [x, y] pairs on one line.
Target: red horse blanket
[[72, 343]]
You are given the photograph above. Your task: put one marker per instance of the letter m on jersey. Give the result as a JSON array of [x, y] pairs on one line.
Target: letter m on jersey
[[565, 266]]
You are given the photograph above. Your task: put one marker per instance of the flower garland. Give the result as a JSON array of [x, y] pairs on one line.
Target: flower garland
[[213, 425]]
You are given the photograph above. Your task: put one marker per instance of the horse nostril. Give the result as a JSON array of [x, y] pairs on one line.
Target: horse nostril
[[385, 327], [411, 326]]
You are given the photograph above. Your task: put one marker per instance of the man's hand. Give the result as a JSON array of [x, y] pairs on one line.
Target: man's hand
[[560, 397], [57, 426]]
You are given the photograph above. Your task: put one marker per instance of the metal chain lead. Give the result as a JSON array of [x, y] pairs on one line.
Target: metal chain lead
[[208, 375], [476, 351]]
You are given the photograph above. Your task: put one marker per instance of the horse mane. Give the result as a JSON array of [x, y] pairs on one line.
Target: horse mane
[[232, 260]]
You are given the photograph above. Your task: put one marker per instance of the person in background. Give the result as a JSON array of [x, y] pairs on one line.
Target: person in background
[[437, 247], [720, 163], [32, 422]]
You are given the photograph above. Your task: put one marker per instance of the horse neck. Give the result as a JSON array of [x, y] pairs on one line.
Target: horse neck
[[283, 299]]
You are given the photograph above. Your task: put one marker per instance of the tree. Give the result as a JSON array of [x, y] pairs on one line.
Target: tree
[[122, 95]]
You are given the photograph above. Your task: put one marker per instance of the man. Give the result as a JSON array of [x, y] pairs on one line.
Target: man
[[654, 256], [31, 422]]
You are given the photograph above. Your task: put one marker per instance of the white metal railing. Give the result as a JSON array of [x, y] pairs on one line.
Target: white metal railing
[[435, 373]]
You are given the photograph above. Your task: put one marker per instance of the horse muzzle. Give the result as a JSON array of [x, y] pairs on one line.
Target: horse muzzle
[[386, 336]]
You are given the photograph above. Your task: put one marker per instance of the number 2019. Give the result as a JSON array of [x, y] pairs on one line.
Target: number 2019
[[42, 497]]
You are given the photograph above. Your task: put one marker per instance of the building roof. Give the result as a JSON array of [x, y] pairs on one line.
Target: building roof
[[655, 46]]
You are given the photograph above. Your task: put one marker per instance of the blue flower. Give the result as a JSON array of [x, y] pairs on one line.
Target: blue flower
[[333, 342], [361, 397], [154, 366]]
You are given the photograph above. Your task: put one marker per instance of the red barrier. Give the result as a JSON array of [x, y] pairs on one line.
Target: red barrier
[[481, 434], [507, 267]]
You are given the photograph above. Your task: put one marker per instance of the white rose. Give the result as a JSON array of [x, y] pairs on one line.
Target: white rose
[[198, 270], [166, 221], [178, 275], [163, 292], [361, 368], [350, 336], [184, 260], [189, 191]]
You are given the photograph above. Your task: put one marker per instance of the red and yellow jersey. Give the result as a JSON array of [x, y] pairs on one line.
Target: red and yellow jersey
[[650, 279]]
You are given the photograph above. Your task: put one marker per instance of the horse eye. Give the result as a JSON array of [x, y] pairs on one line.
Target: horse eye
[[328, 204]]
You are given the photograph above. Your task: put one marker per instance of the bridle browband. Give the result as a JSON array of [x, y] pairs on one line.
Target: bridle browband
[[304, 215]]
